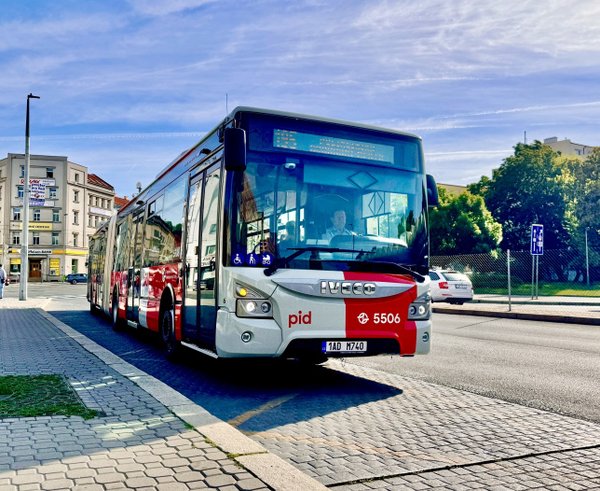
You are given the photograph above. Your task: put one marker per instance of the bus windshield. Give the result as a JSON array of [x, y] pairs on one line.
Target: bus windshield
[[326, 214]]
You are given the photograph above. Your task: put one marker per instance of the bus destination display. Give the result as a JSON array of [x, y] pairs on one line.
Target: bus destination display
[[328, 145]]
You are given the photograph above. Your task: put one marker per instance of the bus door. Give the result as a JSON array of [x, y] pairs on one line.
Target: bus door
[[200, 301], [134, 272]]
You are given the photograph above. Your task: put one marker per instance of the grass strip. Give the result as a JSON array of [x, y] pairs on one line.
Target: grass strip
[[40, 395]]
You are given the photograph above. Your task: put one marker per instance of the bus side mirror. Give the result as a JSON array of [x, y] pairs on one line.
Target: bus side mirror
[[234, 149], [432, 192]]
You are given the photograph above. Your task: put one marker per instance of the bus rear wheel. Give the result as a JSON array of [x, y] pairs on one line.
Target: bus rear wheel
[[117, 323], [167, 333]]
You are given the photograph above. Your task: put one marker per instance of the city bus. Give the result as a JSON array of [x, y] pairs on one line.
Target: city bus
[[277, 235]]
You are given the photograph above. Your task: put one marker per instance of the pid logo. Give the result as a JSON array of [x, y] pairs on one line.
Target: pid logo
[[300, 319]]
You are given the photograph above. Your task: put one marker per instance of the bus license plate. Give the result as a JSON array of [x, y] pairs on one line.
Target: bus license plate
[[344, 346]]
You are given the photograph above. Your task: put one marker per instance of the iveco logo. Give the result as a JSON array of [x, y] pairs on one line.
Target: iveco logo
[[347, 288]]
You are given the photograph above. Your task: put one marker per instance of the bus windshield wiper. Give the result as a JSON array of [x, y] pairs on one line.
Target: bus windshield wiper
[[417, 276], [284, 261]]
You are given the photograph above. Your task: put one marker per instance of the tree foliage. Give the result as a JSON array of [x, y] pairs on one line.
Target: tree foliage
[[530, 187], [462, 225], [586, 191]]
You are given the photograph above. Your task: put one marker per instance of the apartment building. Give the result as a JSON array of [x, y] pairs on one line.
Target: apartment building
[[67, 203], [568, 148]]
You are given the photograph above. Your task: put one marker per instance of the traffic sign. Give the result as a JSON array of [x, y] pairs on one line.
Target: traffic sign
[[537, 240]]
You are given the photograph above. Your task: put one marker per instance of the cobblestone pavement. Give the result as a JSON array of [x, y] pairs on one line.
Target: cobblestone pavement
[[137, 442], [353, 427], [428, 436]]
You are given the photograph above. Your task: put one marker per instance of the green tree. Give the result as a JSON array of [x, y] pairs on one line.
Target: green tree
[[529, 187], [587, 191], [462, 225], [584, 180]]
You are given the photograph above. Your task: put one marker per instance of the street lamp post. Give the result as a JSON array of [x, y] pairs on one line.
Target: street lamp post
[[25, 237]]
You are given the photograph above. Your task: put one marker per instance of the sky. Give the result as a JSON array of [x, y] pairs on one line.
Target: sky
[[127, 85]]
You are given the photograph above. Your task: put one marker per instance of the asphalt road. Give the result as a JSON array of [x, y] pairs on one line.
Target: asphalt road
[[544, 365]]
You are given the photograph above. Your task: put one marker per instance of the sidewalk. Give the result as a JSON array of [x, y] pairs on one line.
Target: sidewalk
[[569, 310], [148, 436]]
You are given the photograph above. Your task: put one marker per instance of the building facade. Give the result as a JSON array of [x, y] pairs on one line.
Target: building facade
[[568, 148], [67, 204]]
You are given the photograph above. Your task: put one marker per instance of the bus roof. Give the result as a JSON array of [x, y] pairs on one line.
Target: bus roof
[[318, 118]]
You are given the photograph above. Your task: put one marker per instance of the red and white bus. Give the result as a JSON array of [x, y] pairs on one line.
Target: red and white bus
[[277, 235]]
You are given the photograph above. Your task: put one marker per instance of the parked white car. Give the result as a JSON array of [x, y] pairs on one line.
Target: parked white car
[[450, 286]]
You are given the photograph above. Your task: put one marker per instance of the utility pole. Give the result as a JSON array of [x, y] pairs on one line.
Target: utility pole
[[25, 237]]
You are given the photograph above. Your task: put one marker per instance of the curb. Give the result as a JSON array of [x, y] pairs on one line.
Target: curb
[[269, 468], [565, 319], [535, 302]]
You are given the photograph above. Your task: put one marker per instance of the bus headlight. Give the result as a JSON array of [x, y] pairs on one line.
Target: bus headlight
[[420, 309], [251, 303], [254, 308]]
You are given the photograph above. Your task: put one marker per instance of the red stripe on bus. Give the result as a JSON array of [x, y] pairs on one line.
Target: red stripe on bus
[[376, 318]]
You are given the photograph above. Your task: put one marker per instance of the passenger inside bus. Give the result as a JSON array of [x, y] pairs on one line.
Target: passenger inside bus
[[287, 240]]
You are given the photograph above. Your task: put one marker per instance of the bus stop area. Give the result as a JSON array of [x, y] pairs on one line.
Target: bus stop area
[[146, 435]]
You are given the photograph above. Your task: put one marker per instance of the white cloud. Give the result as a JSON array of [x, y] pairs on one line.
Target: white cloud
[[463, 74], [161, 8]]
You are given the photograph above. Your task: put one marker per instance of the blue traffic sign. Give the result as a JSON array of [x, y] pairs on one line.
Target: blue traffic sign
[[537, 240]]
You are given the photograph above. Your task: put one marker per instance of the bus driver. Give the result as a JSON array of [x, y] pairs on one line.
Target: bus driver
[[338, 225]]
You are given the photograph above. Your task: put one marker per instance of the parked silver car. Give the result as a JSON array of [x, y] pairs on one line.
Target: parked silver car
[[450, 286]]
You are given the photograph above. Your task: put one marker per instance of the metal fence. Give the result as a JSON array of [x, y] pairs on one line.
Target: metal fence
[[562, 272]]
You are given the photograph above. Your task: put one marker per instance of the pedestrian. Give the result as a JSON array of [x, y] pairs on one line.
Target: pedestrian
[[2, 281]]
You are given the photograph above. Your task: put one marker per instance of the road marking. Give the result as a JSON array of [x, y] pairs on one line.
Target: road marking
[[242, 418]]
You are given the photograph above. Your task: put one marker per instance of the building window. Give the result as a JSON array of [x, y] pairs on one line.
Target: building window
[[36, 238], [54, 238], [37, 215], [75, 218], [75, 196], [17, 214], [76, 176], [50, 172], [16, 238], [20, 192], [0, 186], [213, 228], [90, 221], [55, 216], [22, 171], [52, 193], [74, 265], [75, 240]]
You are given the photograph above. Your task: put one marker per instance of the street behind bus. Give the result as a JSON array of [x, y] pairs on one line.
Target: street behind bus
[[497, 401]]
